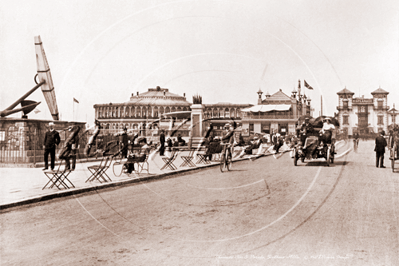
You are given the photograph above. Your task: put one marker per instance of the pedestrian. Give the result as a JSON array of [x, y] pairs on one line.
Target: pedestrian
[[73, 146], [162, 141], [380, 144], [51, 140], [124, 143]]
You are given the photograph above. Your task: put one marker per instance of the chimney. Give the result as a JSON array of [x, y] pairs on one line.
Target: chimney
[[137, 93], [184, 95]]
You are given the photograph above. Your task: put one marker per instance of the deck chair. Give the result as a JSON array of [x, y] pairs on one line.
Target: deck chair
[[58, 178], [202, 156], [169, 161], [188, 159], [98, 171], [142, 164]]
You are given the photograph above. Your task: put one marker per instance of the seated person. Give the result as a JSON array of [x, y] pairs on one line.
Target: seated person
[[134, 158], [306, 129], [180, 141], [326, 131], [255, 143]]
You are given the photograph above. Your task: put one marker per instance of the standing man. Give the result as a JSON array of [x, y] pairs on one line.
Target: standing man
[[73, 145], [51, 140], [124, 143], [162, 141], [380, 144]]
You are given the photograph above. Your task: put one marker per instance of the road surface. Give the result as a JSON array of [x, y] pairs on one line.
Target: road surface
[[263, 212]]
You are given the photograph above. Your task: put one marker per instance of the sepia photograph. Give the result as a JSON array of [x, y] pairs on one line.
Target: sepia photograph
[[199, 132]]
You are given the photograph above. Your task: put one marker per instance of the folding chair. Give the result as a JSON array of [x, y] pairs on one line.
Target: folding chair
[[98, 171], [188, 160], [169, 161], [142, 164], [58, 178], [203, 156]]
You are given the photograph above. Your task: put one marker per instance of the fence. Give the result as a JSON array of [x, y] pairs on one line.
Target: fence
[[22, 143]]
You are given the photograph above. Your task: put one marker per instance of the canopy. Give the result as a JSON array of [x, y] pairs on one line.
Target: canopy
[[267, 108]]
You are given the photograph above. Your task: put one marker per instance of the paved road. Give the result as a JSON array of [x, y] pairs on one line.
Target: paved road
[[264, 212]]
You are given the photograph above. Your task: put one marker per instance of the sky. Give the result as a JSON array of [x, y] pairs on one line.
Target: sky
[[225, 50]]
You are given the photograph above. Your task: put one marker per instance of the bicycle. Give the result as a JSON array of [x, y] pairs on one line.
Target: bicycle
[[355, 144], [225, 160]]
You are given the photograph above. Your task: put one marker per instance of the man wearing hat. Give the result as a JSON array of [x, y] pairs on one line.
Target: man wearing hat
[[306, 128], [380, 144], [51, 140]]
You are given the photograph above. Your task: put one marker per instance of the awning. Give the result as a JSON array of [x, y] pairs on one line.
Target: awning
[[267, 108]]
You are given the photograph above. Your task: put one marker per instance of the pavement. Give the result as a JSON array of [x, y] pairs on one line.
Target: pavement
[[21, 186]]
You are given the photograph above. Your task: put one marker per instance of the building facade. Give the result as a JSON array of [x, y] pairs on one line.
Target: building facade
[[146, 108], [364, 115], [276, 113]]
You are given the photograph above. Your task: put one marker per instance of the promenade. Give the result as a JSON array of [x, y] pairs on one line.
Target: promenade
[[20, 186]]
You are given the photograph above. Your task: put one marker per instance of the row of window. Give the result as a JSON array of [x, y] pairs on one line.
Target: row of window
[[363, 108], [380, 120], [153, 112]]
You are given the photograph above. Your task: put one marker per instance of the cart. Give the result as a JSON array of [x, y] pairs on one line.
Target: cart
[[313, 147]]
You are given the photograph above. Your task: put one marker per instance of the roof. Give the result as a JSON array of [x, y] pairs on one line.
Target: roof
[[279, 96], [158, 96], [345, 91], [379, 91], [225, 104], [267, 108]]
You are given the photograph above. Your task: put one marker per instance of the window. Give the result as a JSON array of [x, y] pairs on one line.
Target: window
[[380, 103], [345, 120], [345, 104], [380, 120], [393, 119], [362, 109], [251, 128]]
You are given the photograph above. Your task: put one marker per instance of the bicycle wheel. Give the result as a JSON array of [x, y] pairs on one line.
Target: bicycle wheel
[[222, 163], [228, 162]]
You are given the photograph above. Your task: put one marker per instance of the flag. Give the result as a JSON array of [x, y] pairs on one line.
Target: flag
[[76, 101], [307, 85]]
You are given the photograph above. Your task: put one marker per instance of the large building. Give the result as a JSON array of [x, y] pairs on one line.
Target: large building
[[144, 108], [364, 115], [276, 113]]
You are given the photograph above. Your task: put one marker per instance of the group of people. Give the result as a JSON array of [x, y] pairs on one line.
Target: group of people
[[69, 151]]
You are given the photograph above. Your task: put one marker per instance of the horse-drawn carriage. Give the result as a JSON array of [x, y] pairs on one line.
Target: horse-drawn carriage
[[314, 142]]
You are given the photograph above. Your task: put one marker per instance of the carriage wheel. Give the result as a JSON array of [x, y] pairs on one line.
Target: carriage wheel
[[332, 154], [328, 156], [295, 157]]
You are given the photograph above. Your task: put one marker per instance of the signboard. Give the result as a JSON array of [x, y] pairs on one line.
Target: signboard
[[361, 100]]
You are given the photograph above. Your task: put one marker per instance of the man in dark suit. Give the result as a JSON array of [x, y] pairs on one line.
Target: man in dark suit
[[380, 144], [51, 140], [162, 141]]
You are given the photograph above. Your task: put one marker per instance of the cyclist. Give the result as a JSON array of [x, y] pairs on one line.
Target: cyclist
[[355, 140], [228, 136]]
